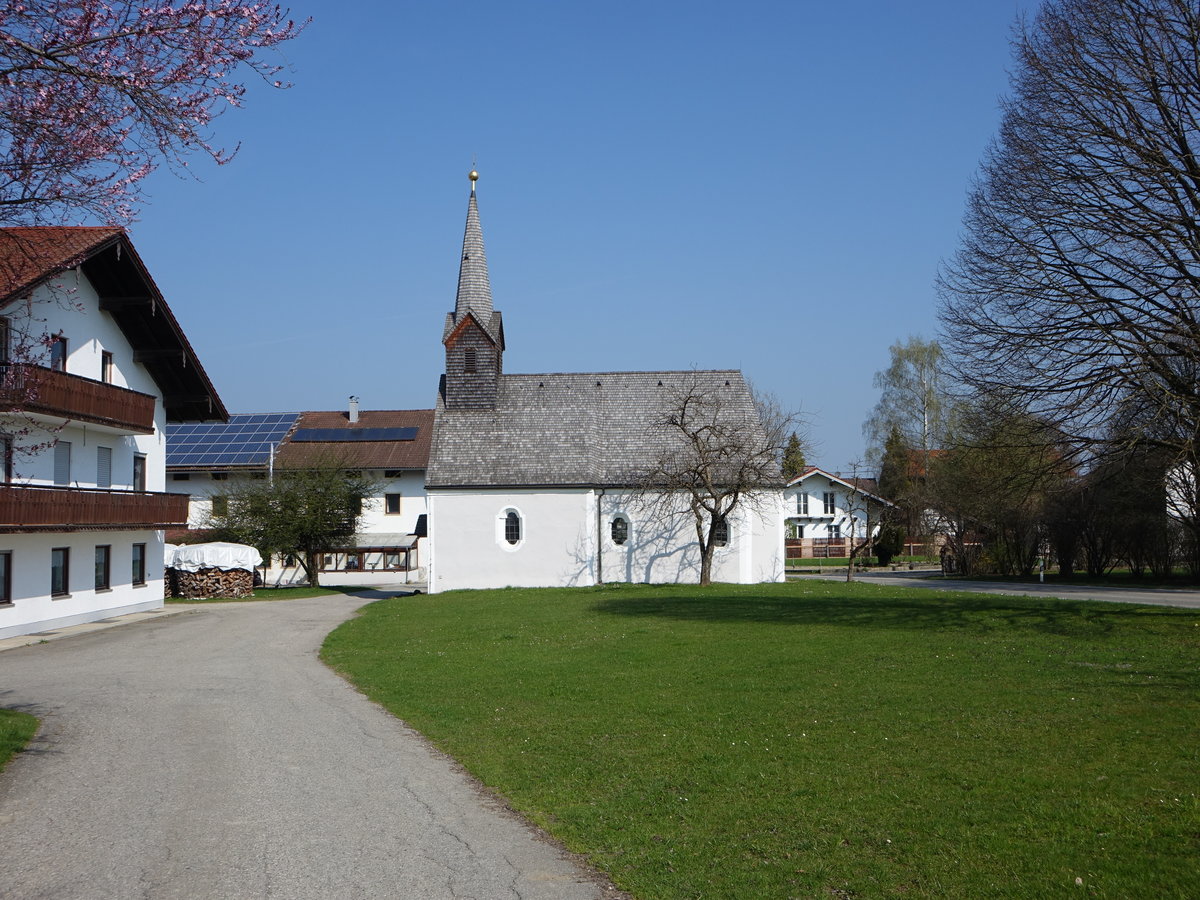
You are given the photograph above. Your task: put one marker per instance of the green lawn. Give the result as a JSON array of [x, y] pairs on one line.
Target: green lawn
[[815, 739], [16, 728]]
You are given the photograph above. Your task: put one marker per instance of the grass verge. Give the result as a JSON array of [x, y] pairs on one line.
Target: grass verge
[[16, 729], [816, 738]]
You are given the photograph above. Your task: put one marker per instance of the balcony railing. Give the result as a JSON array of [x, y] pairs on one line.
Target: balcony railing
[[40, 508], [816, 548], [36, 389]]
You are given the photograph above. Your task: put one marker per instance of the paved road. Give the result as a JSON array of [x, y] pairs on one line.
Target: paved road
[[1152, 596], [211, 754]]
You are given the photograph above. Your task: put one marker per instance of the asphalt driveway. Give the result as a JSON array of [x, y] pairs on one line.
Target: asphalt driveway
[[211, 754], [1185, 599]]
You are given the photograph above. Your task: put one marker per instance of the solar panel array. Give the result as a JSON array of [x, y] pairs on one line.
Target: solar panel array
[[245, 440], [338, 435]]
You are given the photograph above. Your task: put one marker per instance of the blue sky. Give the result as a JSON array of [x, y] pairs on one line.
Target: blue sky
[[767, 186]]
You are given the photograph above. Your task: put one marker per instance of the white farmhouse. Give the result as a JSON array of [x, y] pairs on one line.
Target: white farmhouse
[[530, 480], [827, 515], [391, 446], [94, 365]]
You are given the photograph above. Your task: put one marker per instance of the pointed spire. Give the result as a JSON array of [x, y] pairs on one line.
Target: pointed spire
[[474, 287]]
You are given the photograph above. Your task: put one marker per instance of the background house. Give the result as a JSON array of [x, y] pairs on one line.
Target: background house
[[94, 365], [824, 513], [391, 447]]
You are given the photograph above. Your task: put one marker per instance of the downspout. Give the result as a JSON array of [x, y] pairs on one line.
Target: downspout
[[599, 540]]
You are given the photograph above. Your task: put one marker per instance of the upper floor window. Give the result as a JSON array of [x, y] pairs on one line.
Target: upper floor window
[[104, 467], [106, 367], [802, 504], [62, 462], [391, 503], [620, 530], [58, 353], [139, 473], [5, 341], [469, 362], [830, 500], [6, 458]]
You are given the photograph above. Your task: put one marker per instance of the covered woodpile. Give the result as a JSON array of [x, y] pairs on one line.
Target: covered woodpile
[[205, 583], [218, 569]]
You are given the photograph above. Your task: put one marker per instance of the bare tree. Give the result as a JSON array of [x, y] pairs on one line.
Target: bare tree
[[721, 447], [1077, 287]]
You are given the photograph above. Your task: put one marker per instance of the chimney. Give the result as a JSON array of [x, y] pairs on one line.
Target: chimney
[[353, 410]]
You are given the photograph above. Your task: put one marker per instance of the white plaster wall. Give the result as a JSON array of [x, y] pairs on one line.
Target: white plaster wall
[[558, 548], [466, 548], [33, 609], [71, 306], [411, 488]]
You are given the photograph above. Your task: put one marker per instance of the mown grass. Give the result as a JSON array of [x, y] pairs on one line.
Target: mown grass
[[16, 729], [815, 739]]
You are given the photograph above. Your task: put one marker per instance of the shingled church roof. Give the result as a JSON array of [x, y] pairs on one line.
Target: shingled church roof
[[591, 429]]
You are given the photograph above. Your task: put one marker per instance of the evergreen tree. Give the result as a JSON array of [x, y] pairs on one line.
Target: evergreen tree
[[793, 458]]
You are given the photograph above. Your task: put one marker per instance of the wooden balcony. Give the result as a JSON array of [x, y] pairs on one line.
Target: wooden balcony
[[36, 389], [38, 508]]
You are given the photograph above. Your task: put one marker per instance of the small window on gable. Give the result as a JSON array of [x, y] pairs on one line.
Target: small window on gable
[[720, 533], [106, 367], [58, 353], [620, 530], [469, 362]]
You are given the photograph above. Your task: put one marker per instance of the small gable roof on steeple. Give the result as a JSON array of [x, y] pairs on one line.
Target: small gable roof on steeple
[[474, 296]]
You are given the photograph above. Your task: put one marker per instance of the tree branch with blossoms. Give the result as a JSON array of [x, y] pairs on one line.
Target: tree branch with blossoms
[[96, 95]]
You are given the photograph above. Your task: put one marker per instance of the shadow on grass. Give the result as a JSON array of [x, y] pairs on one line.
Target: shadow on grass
[[972, 612]]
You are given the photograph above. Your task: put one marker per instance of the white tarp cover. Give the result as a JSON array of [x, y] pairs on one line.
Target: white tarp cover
[[217, 555]]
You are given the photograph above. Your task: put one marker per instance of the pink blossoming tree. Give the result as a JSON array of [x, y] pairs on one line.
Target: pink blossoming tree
[[95, 94]]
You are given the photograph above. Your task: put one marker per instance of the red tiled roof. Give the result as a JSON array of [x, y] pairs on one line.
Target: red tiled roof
[[412, 454], [29, 255]]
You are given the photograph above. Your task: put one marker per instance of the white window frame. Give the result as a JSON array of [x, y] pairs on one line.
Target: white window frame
[[802, 503], [501, 523]]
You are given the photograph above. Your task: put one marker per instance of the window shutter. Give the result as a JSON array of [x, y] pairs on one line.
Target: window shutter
[[62, 462], [104, 467]]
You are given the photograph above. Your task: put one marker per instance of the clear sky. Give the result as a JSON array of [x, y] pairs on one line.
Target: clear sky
[[767, 186]]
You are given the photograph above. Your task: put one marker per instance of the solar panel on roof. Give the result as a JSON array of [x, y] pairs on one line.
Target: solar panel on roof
[[339, 435], [245, 440]]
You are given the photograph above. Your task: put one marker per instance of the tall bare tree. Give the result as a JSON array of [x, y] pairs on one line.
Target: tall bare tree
[[721, 448], [1077, 286]]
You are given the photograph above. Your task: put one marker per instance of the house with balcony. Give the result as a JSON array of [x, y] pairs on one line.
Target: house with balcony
[[93, 365], [210, 461], [827, 515]]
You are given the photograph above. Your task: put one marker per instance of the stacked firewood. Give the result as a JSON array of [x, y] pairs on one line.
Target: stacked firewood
[[211, 583]]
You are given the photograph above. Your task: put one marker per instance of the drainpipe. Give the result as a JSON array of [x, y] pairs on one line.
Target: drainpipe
[[599, 540]]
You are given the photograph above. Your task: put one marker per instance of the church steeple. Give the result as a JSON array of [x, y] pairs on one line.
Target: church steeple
[[474, 333], [474, 287]]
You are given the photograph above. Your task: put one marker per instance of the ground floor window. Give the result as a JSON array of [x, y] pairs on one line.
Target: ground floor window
[[370, 559], [720, 533], [139, 564], [511, 524], [103, 559], [60, 571], [6, 576], [620, 530], [795, 530]]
